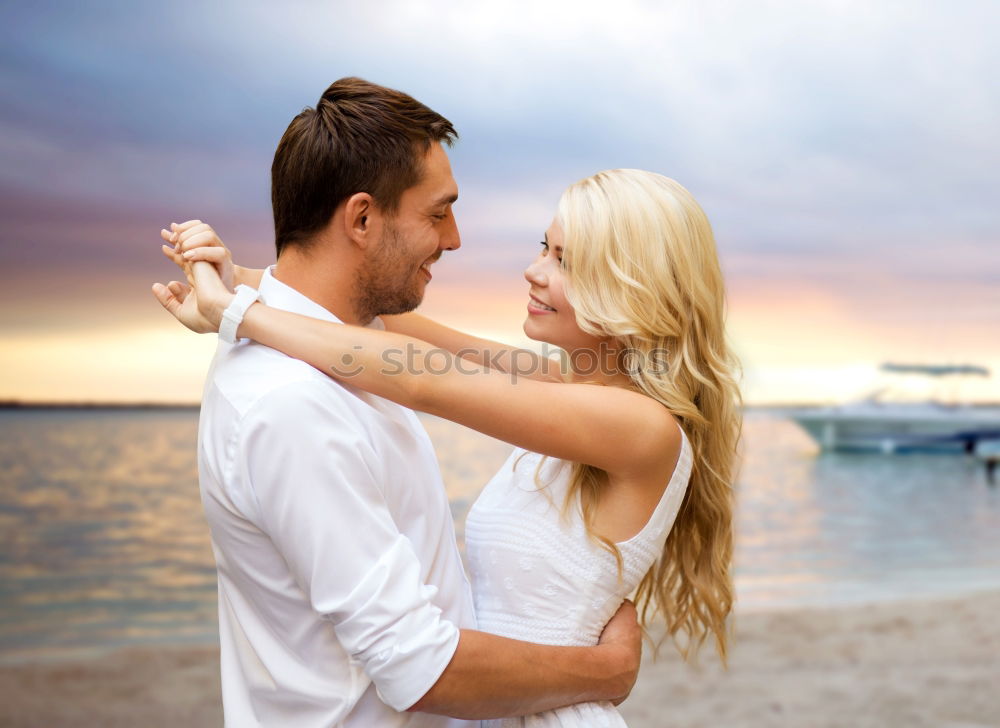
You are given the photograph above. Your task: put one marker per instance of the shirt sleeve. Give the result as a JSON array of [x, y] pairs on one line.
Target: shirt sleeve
[[317, 484]]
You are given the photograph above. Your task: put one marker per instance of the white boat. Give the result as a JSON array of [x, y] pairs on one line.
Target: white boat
[[877, 423]]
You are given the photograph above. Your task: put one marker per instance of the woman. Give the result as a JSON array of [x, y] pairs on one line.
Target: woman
[[621, 483]]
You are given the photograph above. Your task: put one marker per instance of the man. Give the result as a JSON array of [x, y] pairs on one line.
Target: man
[[342, 598]]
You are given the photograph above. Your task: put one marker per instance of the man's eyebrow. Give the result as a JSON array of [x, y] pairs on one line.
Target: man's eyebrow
[[446, 200]]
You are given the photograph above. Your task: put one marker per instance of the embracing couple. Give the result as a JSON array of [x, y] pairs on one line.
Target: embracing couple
[[342, 597]]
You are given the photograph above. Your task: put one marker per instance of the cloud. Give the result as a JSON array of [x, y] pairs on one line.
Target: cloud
[[832, 109], [845, 151]]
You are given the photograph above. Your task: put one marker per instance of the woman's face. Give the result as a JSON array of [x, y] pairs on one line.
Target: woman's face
[[551, 318]]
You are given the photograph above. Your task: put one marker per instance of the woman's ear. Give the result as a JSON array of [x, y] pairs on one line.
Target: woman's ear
[[361, 219]]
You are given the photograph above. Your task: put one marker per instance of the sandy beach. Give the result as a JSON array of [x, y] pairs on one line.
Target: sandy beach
[[904, 664]]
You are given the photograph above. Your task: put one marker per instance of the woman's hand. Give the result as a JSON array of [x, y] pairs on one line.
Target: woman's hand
[[200, 305], [196, 235]]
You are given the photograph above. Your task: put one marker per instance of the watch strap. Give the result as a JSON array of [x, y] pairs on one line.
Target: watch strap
[[232, 317]]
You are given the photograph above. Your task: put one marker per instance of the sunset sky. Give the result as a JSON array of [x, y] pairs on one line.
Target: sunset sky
[[845, 152]]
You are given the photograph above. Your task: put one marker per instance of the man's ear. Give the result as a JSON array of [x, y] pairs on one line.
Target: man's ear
[[361, 219]]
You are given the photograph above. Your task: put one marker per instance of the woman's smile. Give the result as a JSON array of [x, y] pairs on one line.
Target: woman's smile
[[536, 307]]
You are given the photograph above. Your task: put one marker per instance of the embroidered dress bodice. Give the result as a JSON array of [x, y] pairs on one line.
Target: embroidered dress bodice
[[537, 575]]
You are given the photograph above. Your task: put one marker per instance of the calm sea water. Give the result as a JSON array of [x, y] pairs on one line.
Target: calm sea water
[[104, 543]]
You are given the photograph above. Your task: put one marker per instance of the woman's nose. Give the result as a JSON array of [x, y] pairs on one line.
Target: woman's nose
[[534, 274]]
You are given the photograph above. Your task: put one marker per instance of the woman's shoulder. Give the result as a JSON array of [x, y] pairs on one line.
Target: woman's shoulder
[[656, 437]]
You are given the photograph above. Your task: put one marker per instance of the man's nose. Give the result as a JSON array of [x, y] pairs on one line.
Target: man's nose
[[450, 239]]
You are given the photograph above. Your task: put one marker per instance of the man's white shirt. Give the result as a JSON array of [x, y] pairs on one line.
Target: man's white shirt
[[341, 590]]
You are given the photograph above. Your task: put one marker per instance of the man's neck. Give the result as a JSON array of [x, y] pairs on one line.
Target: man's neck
[[323, 281]]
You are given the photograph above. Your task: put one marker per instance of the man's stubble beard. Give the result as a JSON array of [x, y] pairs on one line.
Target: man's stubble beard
[[385, 284]]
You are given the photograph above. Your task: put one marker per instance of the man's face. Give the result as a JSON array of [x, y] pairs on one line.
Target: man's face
[[398, 268]]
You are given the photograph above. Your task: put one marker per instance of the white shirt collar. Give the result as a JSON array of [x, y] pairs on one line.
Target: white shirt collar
[[281, 295]]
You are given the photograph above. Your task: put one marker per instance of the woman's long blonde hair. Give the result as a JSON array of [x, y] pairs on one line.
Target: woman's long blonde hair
[[642, 268]]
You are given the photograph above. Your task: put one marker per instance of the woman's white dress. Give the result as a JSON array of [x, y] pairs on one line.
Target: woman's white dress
[[536, 576]]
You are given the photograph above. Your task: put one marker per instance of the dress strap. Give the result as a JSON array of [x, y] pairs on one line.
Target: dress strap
[[663, 516]]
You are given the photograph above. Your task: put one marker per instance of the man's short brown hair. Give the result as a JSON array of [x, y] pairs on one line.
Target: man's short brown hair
[[361, 137]]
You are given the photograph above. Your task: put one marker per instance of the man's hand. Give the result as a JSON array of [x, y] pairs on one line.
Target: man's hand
[[623, 634], [195, 235]]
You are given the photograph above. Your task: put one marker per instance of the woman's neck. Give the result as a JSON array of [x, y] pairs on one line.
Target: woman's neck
[[598, 365]]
